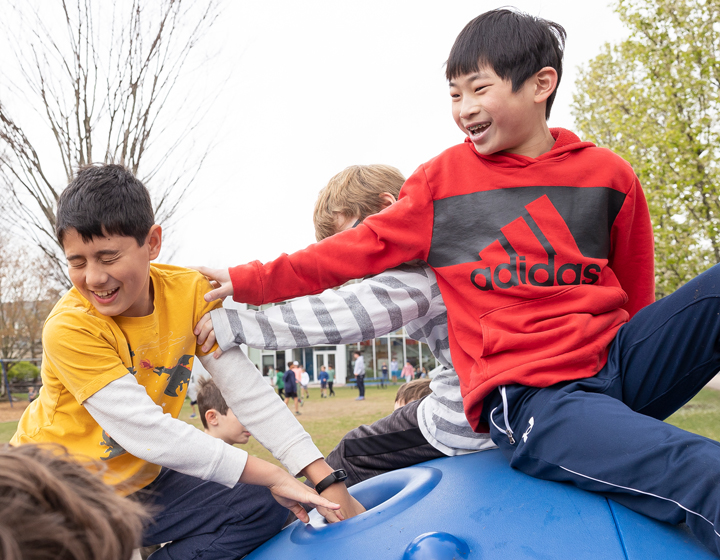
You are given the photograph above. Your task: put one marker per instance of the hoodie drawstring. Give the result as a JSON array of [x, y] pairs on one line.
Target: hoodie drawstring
[[508, 430]]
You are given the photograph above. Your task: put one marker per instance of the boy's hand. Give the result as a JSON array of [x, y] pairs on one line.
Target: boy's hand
[[349, 506], [219, 278], [206, 334], [290, 492], [287, 491]]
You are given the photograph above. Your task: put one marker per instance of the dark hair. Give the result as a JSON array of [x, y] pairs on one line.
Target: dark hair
[[413, 390], [53, 507], [290, 365], [209, 397], [514, 44], [105, 199]]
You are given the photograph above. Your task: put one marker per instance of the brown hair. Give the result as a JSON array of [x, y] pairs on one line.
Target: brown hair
[[413, 390], [209, 397], [355, 191], [52, 507]]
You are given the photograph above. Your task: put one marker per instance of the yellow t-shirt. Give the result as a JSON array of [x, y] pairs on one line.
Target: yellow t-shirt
[[84, 350]]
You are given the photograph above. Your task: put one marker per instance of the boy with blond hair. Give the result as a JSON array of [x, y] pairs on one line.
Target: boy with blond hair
[[408, 295], [412, 391], [543, 249]]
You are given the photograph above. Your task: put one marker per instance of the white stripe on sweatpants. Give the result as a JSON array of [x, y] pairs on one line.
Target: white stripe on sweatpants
[[644, 493]]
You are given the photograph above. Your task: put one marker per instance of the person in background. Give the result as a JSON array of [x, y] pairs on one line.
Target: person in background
[[384, 375], [359, 372], [331, 380], [323, 377], [304, 382], [280, 384], [298, 380], [291, 386], [408, 372], [394, 369], [192, 395]]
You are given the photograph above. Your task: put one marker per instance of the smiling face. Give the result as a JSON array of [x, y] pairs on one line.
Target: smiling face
[[496, 119], [112, 272]]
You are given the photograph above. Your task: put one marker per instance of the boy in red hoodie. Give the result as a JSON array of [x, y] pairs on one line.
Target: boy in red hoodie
[[543, 250]]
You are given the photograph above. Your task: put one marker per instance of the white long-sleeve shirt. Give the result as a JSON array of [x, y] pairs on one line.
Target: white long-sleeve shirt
[[128, 414], [407, 295]]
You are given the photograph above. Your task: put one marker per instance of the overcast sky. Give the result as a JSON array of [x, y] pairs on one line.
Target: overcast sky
[[316, 86], [301, 90]]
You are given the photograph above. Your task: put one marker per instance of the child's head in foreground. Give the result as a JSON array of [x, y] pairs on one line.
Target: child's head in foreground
[[218, 419], [106, 226], [52, 507], [354, 194], [412, 391], [503, 71]]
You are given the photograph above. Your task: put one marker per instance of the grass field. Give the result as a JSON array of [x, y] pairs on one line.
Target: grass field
[[327, 420]]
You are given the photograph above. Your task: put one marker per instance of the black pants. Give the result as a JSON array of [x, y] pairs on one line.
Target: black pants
[[360, 379], [330, 386], [391, 443]]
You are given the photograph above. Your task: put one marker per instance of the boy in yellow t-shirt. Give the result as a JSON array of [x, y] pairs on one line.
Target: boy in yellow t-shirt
[[117, 353]]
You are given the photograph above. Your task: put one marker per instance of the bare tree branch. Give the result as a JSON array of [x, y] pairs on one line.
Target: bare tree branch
[[102, 78]]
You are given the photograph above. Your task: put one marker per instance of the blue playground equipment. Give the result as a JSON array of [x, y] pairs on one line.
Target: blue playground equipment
[[476, 507]]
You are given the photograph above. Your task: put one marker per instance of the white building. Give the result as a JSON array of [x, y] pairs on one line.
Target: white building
[[340, 356]]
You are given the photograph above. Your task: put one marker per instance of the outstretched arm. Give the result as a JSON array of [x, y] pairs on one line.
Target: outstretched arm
[[257, 406], [150, 434], [400, 233], [363, 311]]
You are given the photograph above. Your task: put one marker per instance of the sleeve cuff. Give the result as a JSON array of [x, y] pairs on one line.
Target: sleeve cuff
[[230, 467], [300, 455], [223, 332], [247, 286]]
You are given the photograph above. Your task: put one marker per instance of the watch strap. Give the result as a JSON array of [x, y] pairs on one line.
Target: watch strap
[[335, 476]]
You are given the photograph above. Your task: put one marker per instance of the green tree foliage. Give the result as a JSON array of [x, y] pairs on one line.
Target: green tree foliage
[[654, 99], [23, 371]]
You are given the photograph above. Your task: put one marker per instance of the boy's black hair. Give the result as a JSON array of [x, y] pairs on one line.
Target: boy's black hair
[[105, 199], [514, 44]]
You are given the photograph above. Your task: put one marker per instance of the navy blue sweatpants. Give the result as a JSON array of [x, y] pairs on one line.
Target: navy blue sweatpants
[[606, 434], [208, 520]]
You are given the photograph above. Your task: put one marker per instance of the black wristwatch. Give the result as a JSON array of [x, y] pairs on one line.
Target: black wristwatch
[[337, 476]]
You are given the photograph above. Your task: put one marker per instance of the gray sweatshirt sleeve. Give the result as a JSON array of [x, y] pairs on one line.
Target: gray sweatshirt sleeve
[[355, 312]]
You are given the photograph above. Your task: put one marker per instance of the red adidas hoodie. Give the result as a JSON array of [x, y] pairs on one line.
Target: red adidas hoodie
[[539, 260]]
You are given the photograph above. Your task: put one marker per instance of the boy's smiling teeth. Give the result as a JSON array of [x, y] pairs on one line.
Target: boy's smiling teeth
[[107, 294], [478, 128]]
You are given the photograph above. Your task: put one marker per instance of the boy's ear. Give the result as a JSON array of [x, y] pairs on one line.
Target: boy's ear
[[211, 417], [154, 241], [546, 81], [386, 199]]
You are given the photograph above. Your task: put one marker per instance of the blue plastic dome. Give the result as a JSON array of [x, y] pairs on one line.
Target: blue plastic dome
[[477, 507]]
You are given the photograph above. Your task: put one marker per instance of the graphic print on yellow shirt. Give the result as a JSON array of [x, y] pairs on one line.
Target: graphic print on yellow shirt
[[83, 351]]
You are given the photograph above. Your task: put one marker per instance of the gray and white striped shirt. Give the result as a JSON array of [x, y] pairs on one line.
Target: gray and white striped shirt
[[407, 295]]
